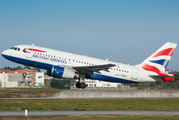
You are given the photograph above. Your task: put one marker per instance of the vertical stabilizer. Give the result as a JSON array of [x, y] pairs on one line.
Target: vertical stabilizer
[[159, 60]]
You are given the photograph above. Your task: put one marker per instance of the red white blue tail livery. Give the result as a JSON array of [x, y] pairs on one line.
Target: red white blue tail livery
[[158, 61], [67, 65]]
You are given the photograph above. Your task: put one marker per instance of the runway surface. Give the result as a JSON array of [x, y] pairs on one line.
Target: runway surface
[[22, 113]]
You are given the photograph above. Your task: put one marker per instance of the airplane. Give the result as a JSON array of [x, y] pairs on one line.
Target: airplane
[[61, 64]]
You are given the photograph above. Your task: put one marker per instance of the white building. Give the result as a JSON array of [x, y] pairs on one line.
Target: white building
[[39, 79], [17, 80], [96, 83], [10, 80]]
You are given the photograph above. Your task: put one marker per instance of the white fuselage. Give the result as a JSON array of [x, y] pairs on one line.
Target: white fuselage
[[47, 58]]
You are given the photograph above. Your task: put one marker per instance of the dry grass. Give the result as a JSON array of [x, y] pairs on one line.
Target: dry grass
[[27, 92]]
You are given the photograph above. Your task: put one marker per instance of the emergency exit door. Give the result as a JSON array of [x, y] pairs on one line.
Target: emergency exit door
[[134, 73]]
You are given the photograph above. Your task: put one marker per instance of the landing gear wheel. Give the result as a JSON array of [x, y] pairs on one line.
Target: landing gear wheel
[[83, 85], [78, 85], [24, 74]]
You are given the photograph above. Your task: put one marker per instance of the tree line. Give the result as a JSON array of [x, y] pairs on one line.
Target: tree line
[[19, 67]]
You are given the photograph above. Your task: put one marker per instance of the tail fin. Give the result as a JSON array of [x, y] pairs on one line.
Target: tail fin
[[159, 60]]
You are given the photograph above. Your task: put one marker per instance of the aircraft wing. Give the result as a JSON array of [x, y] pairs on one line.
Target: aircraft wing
[[91, 69]]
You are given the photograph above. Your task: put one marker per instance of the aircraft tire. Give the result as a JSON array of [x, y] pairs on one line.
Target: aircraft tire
[[24, 74], [78, 85], [83, 85]]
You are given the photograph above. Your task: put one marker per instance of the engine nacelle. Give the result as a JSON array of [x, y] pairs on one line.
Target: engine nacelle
[[62, 72]]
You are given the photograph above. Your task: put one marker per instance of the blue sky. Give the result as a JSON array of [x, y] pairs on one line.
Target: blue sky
[[125, 31]]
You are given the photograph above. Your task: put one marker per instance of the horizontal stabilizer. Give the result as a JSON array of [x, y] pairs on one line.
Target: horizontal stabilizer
[[166, 78], [161, 76]]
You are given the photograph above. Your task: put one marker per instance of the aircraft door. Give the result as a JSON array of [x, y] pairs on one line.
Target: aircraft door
[[134, 73]]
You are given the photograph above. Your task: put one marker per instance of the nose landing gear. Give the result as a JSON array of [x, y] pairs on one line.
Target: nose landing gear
[[24, 74]]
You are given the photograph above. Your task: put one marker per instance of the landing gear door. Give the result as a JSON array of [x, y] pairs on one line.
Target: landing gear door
[[134, 74]]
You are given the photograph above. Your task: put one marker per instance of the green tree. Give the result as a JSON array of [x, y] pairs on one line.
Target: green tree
[[12, 68], [176, 77], [37, 69], [61, 84]]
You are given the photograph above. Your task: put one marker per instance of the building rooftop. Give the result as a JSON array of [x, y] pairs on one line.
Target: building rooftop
[[1, 71], [22, 71]]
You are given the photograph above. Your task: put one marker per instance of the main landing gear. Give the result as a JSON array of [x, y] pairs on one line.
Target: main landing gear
[[81, 84]]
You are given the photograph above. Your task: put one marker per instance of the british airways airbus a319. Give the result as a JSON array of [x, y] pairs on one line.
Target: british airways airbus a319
[[72, 66]]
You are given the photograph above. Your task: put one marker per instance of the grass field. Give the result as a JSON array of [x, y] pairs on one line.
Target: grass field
[[81, 104], [90, 104], [94, 117], [27, 92]]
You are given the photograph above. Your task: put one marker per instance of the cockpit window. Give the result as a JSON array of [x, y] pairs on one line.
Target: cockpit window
[[15, 48]]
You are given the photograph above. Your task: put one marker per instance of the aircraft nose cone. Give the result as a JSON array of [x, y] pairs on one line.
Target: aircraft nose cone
[[4, 53]]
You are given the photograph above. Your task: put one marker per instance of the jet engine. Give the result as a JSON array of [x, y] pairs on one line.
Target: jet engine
[[62, 72]]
